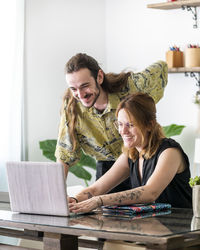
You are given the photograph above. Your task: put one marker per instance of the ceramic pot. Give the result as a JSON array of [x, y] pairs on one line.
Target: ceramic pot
[[196, 200], [195, 223], [192, 57]]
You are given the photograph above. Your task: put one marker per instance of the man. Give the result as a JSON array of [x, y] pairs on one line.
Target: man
[[88, 111]]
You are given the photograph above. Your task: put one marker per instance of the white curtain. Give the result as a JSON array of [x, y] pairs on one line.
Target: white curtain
[[11, 83]]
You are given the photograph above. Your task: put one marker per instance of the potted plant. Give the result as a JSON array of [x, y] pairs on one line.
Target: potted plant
[[195, 184]]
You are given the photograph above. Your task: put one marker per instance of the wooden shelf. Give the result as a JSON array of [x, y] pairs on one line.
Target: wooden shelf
[[174, 5], [184, 69]]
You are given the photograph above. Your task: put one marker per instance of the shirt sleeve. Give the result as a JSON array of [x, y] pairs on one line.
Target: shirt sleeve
[[64, 150], [151, 81]]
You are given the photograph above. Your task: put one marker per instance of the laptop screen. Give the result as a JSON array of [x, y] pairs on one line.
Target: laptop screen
[[37, 188]]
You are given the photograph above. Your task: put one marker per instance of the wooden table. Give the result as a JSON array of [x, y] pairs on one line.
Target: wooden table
[[172, 230]]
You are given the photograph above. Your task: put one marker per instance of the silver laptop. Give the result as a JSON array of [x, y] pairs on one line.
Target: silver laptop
[[37, 188]]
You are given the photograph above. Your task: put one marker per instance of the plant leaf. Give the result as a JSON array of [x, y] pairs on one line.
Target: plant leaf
[[80, 172], [194, 181], [48, 149], [87, 161], [173, 130]]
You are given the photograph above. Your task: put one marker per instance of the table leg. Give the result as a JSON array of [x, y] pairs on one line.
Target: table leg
[[54, 241]]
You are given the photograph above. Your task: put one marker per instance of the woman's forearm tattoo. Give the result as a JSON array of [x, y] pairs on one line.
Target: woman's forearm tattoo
[[89, 195], [133, 195]]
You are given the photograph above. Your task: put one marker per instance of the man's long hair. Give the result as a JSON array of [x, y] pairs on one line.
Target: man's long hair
[[112, 83], [141, 110]]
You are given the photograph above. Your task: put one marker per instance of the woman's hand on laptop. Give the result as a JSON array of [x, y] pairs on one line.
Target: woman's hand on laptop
[[72, 199], [85, 206]]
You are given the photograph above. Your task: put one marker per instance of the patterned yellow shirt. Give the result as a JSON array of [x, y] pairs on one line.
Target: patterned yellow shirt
[[95, 132]]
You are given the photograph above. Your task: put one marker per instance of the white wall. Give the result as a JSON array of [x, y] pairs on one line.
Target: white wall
[[56, 30], [119, 34], [136, 36]]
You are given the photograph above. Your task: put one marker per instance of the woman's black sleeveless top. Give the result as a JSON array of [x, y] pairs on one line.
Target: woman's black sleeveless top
[[178, 193]]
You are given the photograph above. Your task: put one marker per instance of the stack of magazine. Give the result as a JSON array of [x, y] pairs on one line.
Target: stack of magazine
[[137, 210]]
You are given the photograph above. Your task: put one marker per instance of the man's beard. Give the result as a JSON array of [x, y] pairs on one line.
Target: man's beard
[[97, 95]]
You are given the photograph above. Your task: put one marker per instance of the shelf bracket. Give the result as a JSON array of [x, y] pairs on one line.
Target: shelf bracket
[[194, 12], [196, 77]]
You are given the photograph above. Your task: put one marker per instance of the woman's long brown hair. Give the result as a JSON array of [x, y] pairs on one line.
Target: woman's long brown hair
[[141, 111]]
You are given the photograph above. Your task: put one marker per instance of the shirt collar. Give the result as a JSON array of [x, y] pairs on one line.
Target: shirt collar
[[113, 101]]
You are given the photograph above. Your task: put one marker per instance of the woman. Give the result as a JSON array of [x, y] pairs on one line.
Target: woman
[[157, 166]]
